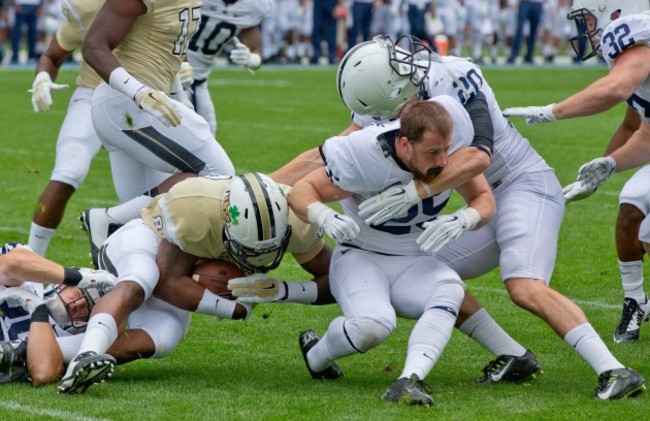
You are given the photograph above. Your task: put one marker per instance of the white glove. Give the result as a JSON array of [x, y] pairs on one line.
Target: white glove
[[391, 203], [577, 191], [446, 228], [20, 297], [340, 228], [533, 115], [41, 96], [595, 172], [158, 105], [242, 55], [257, 288], [100, 279], [186, 75]]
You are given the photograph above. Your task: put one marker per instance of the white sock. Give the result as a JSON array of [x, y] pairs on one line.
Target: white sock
[[69, 346], [39, 238], [481, 327], [214, 305], [299, 292], [129, 210], [100, 334], [427, 341], [632, 279], [588, 344], [334, 344]]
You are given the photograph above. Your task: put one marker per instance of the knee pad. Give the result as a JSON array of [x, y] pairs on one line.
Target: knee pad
[[365, 334]]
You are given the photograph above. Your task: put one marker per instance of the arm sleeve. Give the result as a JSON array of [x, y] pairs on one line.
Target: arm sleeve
[[479, 112]]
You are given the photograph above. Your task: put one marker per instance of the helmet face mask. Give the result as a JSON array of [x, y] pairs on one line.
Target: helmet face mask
[[377, 77], [256, 230], [70, 307], [591, 17]]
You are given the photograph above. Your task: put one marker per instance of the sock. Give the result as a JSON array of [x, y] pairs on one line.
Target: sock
[[129, 210], [39, 238], [69, 346], [100, 334], [632, 279], [214, 305], [334, 344], [481, 327], [427, 341], [587, 343], [299, 292]]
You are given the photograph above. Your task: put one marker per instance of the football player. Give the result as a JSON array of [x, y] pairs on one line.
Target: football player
[[137, 46], [379, 272], [223, 21], [77, 142], [516, 240], [244, 220], [619, 32]]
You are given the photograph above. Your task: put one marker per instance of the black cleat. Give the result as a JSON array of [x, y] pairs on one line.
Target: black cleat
[[620, 383], [85, 370], [508, 368], [633, 315], [13, 360], [412, 391], [307, 340]]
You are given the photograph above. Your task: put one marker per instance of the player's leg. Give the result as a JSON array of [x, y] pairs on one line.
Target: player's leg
[[430, 292], [131, 254], [77, 144], [199, 94], [634, 206], [359, 282]]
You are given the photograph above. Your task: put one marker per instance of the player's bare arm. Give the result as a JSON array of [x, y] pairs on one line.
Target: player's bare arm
[[252, 37], [636, 151], [176, 285], [632, 68], [478, 195], [630, 124], [298, 167], [52, 59], [314, 187], [111, 26]]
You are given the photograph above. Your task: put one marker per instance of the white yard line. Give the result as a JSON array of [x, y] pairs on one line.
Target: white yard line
[[31, 410]]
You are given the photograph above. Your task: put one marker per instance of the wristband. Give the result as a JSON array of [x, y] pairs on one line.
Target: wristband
[[40, 314], [71, 276], [472, 218], [316, 213], [122, 81]]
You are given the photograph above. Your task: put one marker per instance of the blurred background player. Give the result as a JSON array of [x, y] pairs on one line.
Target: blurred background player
[[223, 21]]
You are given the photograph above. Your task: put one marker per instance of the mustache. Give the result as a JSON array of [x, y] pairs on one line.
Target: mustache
[[434, 171]]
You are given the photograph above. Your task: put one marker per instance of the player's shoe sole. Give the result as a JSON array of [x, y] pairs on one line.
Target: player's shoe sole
[[89, 370]]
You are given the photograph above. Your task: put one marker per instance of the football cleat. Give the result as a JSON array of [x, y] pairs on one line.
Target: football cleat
[[86, 369], [13, 359], [98, 226], [307, 340], [508, 368], [620, 383], [633, 315], [412, 391]]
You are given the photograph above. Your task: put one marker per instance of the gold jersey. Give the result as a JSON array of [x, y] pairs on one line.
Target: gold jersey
[[191, 216], [154, 49], [79, 15]]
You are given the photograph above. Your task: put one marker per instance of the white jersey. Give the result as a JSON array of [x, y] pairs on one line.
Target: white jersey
[[619, 35], [362, 163], [462, 79]]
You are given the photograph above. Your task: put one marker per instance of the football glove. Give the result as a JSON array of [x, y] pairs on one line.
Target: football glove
[[532, 115], [255, 289], [595, 172], [447, 228], [340, 228], [19, 297], [100, 279], [391, 203], [41, 95], [577, 191], [186, 75], [242, 55], [158, 105]]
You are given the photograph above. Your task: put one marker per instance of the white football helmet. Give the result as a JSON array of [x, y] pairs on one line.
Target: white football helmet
[[377, 77], [66, 312], [256, 228], [592, 17]]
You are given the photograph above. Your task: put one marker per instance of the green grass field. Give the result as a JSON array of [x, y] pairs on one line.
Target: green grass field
[[254, 370]]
